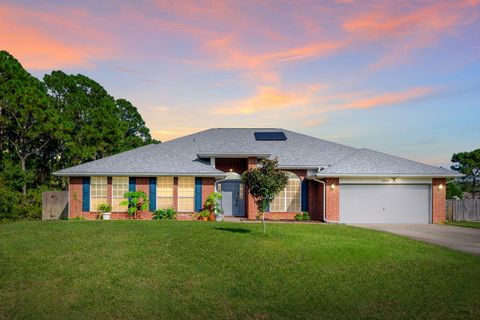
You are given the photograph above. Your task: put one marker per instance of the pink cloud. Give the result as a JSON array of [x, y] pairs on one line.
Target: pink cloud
[[45, 41]]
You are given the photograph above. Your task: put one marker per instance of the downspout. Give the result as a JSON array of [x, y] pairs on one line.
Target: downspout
[[314, 178]]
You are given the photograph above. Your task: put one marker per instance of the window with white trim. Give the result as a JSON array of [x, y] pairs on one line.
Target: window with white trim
[[186, 194], [290, 198], [164, 192], [119, 188], [98, 192]]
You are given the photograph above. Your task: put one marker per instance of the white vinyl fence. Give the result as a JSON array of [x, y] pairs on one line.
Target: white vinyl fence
[[463, 210]]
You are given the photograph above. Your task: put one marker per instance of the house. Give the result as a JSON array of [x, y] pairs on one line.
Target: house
[[333, 182]]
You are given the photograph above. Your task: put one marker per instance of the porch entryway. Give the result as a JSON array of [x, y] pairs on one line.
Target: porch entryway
[[233, 197]]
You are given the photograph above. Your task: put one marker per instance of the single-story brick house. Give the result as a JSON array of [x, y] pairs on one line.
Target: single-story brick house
[[332, 182]]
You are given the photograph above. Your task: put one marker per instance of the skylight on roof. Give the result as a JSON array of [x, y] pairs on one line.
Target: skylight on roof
[[270, 136]]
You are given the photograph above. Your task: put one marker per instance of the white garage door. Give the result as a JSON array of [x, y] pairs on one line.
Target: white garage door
[[384, 203]]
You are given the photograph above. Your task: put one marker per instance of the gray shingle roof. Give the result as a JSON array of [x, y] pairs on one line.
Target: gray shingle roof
[[180, 156], [366, 162]]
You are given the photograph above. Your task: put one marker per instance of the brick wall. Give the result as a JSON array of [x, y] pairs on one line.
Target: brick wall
[[75, 197], [332, 200], [250, 205], [208, 186], [439, 195]]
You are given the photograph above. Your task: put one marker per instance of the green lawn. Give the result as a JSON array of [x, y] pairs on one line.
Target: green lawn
[[467, 224], [181, 270]]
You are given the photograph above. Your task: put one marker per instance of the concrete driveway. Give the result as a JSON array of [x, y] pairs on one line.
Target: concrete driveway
[[459, 238]]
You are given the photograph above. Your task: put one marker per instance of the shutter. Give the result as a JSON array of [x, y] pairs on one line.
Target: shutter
[[198, 194], [304, 195], [131, 184], [152, 194], [86, 194]]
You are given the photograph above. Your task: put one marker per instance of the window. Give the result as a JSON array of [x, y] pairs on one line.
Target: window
[[119, 188], [289, 199], [186, 194], [98, 192], [164, 192]]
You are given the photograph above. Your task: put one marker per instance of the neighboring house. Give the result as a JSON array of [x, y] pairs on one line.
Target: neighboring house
[[333, 182]]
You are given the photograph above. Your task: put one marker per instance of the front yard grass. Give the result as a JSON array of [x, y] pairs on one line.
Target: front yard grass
[[186, 270], [466, 224]]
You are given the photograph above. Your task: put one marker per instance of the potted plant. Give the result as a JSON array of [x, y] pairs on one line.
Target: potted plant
[[204, 214], [104, 211], [212, 204]]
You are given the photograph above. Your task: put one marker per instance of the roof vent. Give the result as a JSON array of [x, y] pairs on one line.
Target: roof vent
[[270, 136]]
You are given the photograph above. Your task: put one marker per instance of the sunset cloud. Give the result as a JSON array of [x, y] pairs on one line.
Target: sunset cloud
[[45, 41]]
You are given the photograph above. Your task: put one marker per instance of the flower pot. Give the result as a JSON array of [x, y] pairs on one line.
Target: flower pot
[[219, 217], [204, 218], [106, 215], [211, 217]]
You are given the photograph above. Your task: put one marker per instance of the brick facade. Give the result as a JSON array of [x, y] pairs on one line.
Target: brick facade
[[250, 205], [439, 196], [332, 200]]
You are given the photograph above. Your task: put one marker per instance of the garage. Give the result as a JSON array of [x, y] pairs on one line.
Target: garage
[[385, 203]]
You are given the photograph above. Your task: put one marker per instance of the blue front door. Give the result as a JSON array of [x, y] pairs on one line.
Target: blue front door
[[233, 198]]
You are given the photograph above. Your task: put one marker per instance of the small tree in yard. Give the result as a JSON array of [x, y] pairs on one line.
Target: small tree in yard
[[264, 183]]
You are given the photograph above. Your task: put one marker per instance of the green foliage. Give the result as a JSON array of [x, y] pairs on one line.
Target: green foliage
[[265, 182], [46, 126], [205, 213], [212, 203], [164, 214], [454, 190], [468, 163], [304, 216], [136, 201]]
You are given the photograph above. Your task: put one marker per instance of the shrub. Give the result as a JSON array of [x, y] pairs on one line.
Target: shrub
[[304, 216], [212, 203], [136, 202], [164, 214]]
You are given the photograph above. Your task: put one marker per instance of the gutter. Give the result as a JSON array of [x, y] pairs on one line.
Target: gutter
[[138, 174]]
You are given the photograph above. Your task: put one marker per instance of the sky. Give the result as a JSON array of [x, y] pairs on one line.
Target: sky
[[401, 77]]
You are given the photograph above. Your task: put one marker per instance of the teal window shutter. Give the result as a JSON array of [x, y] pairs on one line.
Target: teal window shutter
[[86, 194], [131, 184], [152, 194], [198, 194], [304, 195]]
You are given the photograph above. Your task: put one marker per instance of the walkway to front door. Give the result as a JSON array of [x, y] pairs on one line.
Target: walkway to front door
[[233, 198]]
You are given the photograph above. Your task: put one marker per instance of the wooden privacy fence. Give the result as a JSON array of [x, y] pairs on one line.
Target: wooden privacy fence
[[463, 210], [54, 205]]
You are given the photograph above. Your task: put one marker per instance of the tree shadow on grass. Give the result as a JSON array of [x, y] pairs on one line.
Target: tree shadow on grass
[[234, 230]]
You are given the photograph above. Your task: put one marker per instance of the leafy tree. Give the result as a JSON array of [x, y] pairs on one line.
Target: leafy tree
[[454, 190], [136, 133], [468, 163], [264, 183], [27, 119]]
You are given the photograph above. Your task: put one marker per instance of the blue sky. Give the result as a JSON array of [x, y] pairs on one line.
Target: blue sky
[[398, 77]]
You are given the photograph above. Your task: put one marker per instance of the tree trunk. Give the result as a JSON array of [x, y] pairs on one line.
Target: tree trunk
[[263, 222], [22, 163]]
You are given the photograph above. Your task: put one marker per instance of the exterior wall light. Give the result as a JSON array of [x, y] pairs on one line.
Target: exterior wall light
[[440, 186], [332, 186]]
